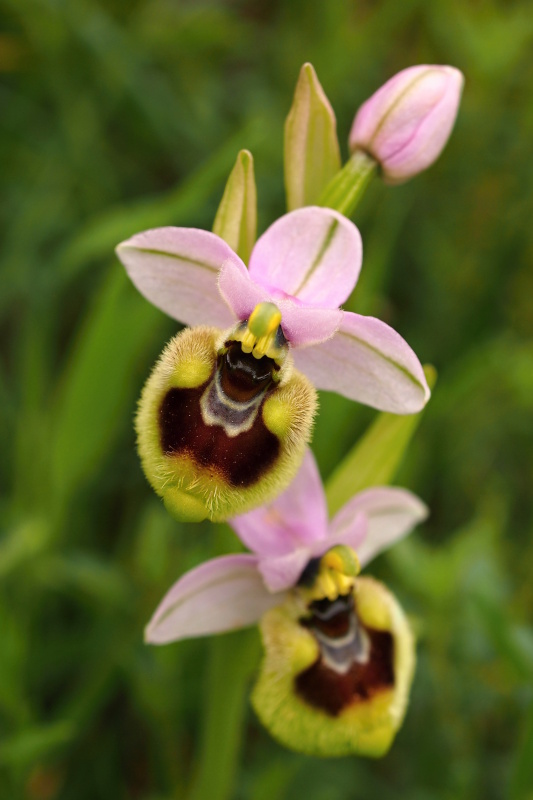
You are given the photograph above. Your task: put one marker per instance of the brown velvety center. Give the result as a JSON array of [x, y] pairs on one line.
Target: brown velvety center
[[242, 376], [333, 691], [241, 460]]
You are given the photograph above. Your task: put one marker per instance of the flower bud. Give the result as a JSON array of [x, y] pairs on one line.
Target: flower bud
[[407, 122]]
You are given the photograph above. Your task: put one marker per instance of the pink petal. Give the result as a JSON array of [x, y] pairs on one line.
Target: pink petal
[[297, 517], [391, 513], [351, 531], [177, 270], [302, 325], [312, 253], [239, 291], [282, 572], [220, 595], [367, 361]]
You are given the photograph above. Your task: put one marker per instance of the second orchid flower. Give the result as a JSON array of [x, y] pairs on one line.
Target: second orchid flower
[[339, 654]]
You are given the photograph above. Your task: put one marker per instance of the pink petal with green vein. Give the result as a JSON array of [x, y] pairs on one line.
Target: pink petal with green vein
[[177, 270], [221, 595], [302, 325], [369, 362], [391, 514], [312, 253]]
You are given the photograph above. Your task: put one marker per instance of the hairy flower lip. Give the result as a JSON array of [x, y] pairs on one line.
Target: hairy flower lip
[[307, 263], [212, 453], [310, 708]]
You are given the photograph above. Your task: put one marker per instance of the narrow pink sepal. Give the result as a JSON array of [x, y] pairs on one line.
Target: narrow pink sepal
[[391, 513], [301, 324], [297, 517], [313, 254], [220, 595], [369, 362], [407, 122], [177, 270]]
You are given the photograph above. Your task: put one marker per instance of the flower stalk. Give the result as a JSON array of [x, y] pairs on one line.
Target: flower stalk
[[346, 189]]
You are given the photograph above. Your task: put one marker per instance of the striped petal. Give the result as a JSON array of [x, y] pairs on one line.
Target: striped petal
[[391, 513], [313, 254], [302, 325], [221, 595], [177, 270], [367, 361]]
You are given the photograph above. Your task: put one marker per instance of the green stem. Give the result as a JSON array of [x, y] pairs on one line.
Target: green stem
[[232, 661], [347, 187]]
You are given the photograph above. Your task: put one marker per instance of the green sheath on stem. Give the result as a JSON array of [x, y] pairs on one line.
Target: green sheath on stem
[[348, 186]]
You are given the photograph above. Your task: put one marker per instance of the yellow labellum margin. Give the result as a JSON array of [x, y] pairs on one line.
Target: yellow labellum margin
[[212, 443], [366, 725]]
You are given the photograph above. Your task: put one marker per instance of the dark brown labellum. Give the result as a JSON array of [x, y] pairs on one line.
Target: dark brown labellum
[[240, 459], [355, 661]]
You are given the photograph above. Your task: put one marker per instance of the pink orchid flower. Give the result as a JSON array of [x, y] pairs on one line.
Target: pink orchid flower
[[307, 264], [285, 537]]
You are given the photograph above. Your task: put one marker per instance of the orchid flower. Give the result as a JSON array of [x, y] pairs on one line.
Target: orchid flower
[[307, 264], [339, 655], [224, 419]]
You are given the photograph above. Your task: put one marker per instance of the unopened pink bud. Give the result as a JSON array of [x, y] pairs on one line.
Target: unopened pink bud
[[407, 122]]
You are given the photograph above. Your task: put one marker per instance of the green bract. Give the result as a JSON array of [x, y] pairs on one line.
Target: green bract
[[311, 149]]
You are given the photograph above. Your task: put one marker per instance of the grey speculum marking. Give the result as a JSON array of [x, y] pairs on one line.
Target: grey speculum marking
[[234, 395], [354, 663], [341, 637]]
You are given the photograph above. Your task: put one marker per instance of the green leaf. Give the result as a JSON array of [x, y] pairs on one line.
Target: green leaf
[[522, 778], [22, 543], [311, 150], [236, 218], [373, 461], [233, 659], [35, 743], [101, 380], [83, 574], [179, 206]]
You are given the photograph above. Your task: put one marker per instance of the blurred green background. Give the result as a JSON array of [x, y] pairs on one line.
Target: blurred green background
[[128, 114]]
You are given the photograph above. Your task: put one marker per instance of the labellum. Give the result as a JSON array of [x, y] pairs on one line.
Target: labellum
[[224, 418], [339, 660]]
